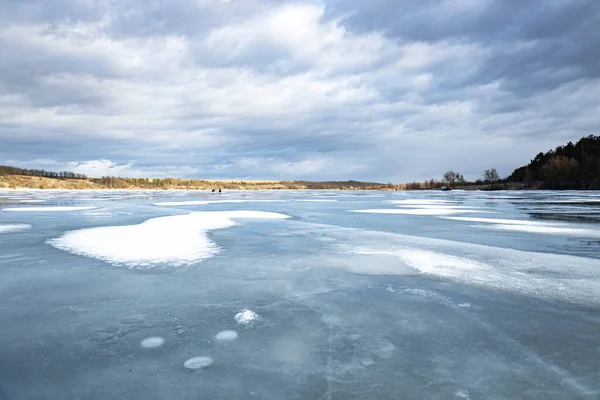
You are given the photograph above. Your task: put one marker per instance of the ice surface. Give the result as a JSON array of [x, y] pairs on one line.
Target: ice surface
[[177, 240], [327, 304], [48, 209], [13, 227], [226, 336], [199, 362], [245, 317], [152, 342]]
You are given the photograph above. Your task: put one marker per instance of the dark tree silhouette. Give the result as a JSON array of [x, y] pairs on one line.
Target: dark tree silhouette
[[491, 176], [6, 170], [453, 177], [573, 166]]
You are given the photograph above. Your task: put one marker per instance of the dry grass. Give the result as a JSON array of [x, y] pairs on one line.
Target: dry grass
[[35, 182]]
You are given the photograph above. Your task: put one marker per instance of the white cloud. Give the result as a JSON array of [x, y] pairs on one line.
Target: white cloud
[[99, 168]]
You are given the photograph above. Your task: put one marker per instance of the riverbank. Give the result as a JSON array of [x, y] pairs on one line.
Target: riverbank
[[37, 182]]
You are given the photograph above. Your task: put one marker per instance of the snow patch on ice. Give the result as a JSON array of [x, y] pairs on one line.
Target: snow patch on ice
[[498, 221], [548, 276], [420, 211], [545, 230], [423, 261], [48, 209], [429, 262], [14, 227], [226, 336], [152, 342], [177, 240], [205, 202], [423, 202], [245, 317], [317, 200], [198, 363], [516, 225]]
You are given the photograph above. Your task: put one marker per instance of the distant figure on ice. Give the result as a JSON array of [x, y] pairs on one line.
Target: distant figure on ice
[[219, 190], [213, 190]]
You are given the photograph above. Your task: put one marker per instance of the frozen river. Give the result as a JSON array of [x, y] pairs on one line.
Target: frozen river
[[299, 295]]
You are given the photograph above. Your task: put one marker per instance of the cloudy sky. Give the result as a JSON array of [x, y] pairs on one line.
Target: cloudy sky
[[382, 90]]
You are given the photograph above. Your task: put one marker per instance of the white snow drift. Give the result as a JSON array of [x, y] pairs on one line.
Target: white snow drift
[[226, 336], [48, 209], [198, 363], [152, 342], [177, 240], [517, 225], [14, 227], [422, 202], [420, 211], [205, 202], [245, 317]]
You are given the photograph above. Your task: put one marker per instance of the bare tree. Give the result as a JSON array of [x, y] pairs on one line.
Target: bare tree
[[453, 177], [491, 176]]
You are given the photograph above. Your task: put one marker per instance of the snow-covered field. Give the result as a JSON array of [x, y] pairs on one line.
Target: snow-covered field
[[299, 295]]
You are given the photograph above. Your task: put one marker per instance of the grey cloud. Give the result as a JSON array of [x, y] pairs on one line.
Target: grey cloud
[[534, 45]]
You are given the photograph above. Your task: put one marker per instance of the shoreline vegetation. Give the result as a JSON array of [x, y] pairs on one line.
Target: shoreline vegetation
[[570, 167]]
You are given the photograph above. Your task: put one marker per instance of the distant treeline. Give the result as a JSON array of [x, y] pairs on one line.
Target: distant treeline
[[573, 166], [6, 170]]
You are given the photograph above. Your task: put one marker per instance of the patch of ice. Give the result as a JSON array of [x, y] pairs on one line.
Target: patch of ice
[[198, 363], [152, 342], [14, 227], [205, 202], [48, 209], [245, 317], [31, 201], [226, 336], [177, 240], [332, 320], [464, 305], [419, 211]]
